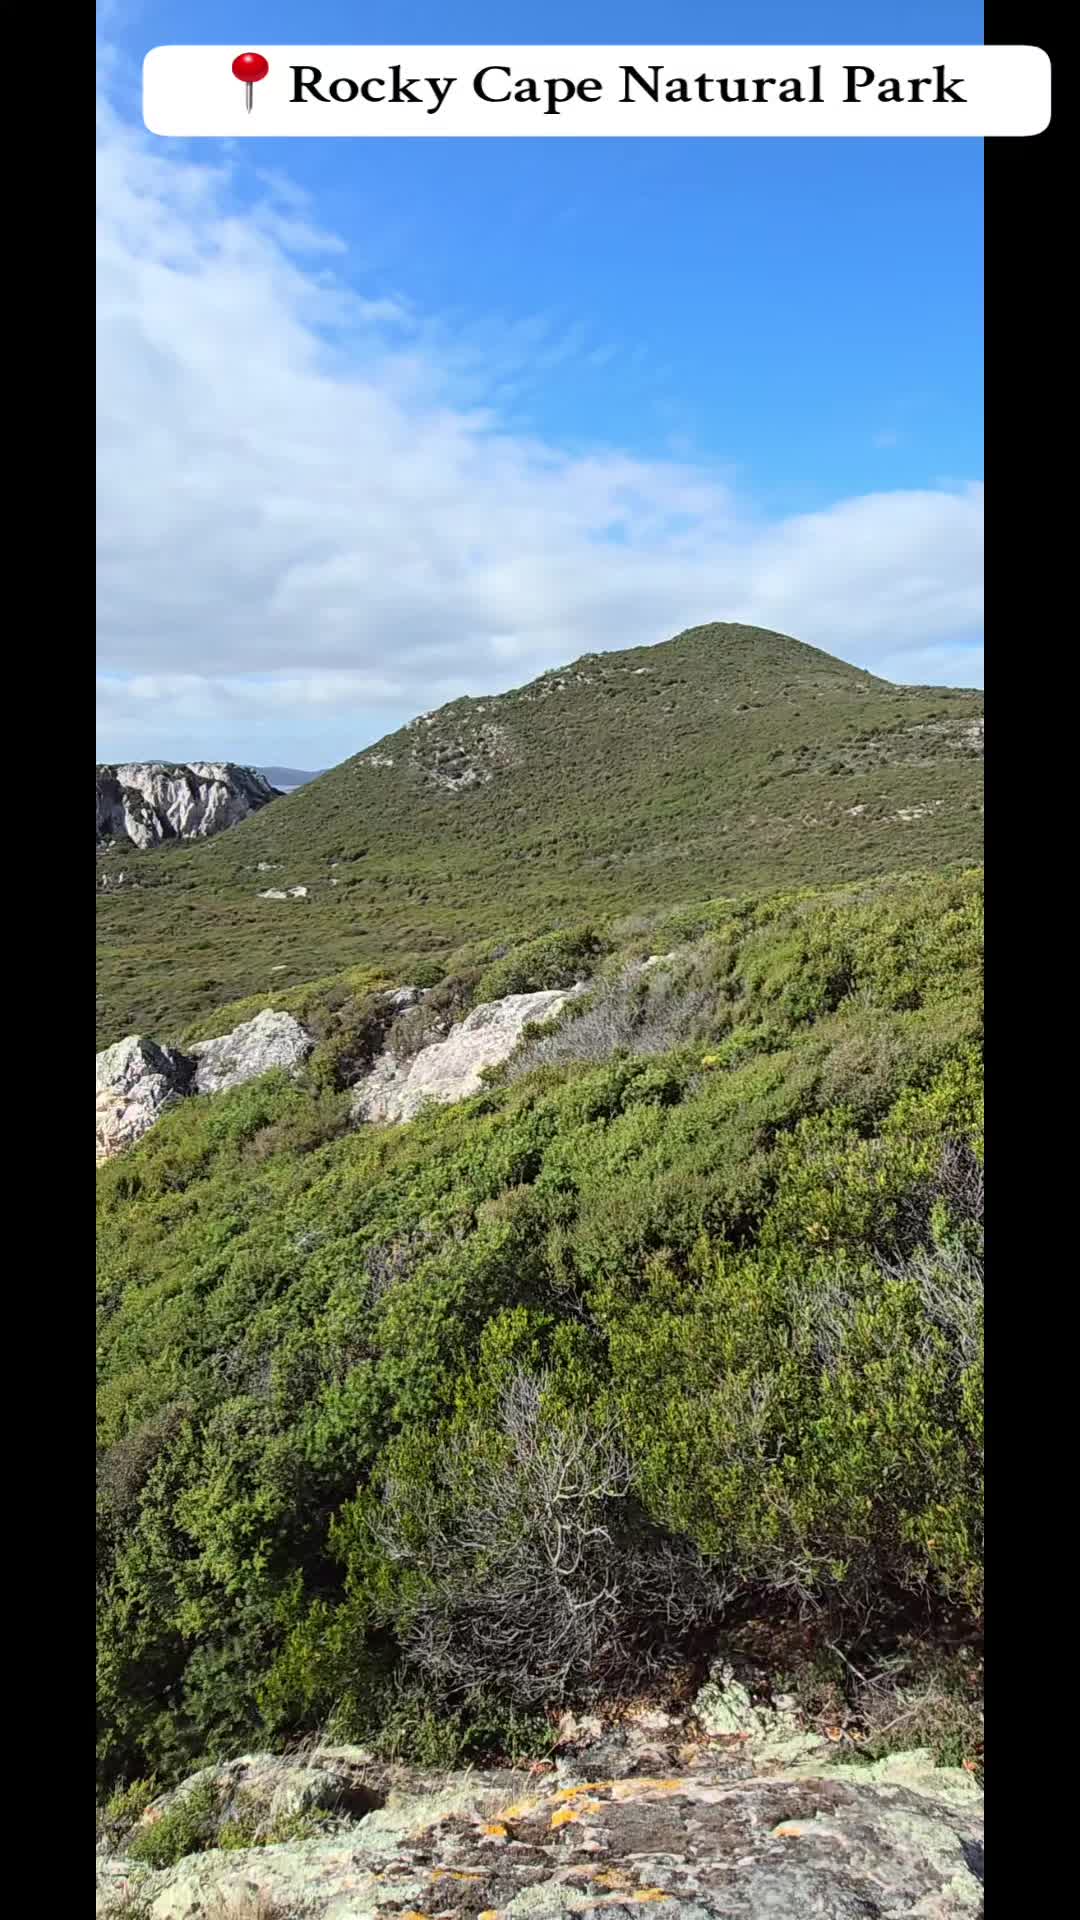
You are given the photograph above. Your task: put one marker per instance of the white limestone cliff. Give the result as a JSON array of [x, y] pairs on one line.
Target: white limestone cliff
[[147, 802]]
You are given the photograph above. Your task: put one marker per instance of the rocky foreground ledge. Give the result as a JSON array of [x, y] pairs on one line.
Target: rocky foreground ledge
[[696, 1828]]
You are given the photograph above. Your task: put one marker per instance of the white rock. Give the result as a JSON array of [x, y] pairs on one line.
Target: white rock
[[146, 802], [270, 1040], [450, 1069], [572, 1731], [403, 997], [656, 1720], [136, 1081]]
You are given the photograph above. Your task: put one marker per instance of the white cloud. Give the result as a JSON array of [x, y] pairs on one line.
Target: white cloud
[[314, 520]]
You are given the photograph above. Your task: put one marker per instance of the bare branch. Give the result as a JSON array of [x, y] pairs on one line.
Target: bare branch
[[536, 1574]]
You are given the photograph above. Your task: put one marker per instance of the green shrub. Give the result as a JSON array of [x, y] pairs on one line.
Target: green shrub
[[434, 1015], [556, 960], [188, 1826], [348, 1031], [122, 1811], [310, 1003]]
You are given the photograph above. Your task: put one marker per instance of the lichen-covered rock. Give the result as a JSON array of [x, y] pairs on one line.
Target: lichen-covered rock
[[262, 1790], [136, 1081], [450, 1069], [270, 1040], [699, 1844], [724, 1708], [147, 802]]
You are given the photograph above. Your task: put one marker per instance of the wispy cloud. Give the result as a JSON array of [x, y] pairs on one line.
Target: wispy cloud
[[317, 515]]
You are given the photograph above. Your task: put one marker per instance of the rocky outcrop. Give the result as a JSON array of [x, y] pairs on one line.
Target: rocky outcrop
[[270, 1040], [147, 802], [137, 1080], [454, 749], [702, 1837], [450, 1069]]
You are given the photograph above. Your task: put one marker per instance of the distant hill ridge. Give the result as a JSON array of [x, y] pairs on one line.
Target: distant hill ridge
[[729, 758], [285, 779]]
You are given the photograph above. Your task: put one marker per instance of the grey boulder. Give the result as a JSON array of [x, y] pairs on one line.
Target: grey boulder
[[136, 1081], [270, 1040]]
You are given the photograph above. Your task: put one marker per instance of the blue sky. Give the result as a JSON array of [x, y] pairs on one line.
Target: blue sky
[[545, 395]]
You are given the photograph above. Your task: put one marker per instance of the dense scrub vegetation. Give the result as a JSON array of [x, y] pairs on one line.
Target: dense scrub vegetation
[[415, 1432], [725, 759]]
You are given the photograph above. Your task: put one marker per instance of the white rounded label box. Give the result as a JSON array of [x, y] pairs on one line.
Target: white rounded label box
[[273, 92]]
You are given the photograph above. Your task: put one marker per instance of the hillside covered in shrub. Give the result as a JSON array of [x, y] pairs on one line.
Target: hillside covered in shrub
[[726, 759], [415, 1433]]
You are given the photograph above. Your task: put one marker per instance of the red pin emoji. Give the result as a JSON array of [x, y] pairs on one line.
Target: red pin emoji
[[250, 67]]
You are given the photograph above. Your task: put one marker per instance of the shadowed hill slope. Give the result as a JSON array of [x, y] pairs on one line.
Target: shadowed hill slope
[[727, 758]]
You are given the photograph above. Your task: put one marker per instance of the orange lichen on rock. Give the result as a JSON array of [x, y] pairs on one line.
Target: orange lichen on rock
[[630, 1789], [520, 1809], [564, 1815]]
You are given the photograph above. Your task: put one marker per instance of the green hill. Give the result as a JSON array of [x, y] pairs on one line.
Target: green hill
[[726, 759]]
